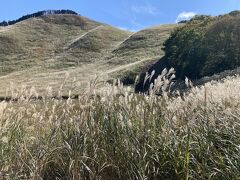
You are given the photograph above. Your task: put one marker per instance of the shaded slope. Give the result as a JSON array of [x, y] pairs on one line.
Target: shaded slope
[[204, 46]]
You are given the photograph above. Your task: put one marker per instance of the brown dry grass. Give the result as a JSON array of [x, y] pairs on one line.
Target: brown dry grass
[[115, 134]]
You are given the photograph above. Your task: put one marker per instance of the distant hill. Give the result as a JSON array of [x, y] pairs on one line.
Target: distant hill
[[204, 46], [37, 14], [40, 49]]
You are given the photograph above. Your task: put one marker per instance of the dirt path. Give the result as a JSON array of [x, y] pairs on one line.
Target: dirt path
[[120, 43], [127, 66], [81, 36]]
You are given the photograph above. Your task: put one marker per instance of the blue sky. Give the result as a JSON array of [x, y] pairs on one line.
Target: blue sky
[[126, 14]]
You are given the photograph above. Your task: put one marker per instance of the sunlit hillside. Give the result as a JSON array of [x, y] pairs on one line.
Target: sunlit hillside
[[40, 51]]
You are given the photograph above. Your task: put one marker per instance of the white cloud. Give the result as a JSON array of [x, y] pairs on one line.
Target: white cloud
[[185, 16], [145, 9]]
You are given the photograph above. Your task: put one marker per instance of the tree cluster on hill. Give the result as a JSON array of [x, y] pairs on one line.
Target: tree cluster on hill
[[204, 46], [37, 14]]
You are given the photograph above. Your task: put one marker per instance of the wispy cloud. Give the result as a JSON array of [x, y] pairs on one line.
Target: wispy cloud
[[128, 29], [145, 9], [134, 22], [185, 16]]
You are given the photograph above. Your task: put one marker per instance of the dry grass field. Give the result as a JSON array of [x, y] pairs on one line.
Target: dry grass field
[[117, 134]]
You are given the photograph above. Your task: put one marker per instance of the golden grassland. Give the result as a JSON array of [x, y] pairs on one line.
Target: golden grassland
[[114, 133]]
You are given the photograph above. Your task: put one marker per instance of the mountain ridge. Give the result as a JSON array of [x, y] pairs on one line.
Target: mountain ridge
[[37, 14]]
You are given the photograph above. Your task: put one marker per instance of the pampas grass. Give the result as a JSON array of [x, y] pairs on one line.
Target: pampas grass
[[117, 134]]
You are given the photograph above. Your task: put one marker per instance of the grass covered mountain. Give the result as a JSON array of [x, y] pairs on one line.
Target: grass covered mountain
[[52, 48], [204, 46], [40, 49]]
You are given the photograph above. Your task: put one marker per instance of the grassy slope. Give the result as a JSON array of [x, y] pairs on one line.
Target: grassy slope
[[145, 44], [41, 51], [31, 42], [139, 50]]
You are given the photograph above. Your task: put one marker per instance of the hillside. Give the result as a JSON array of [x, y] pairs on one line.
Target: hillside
[[204, 46], [40, 50]]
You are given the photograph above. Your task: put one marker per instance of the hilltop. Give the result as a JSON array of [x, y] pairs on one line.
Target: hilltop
[[40, 49], [37, 14]]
